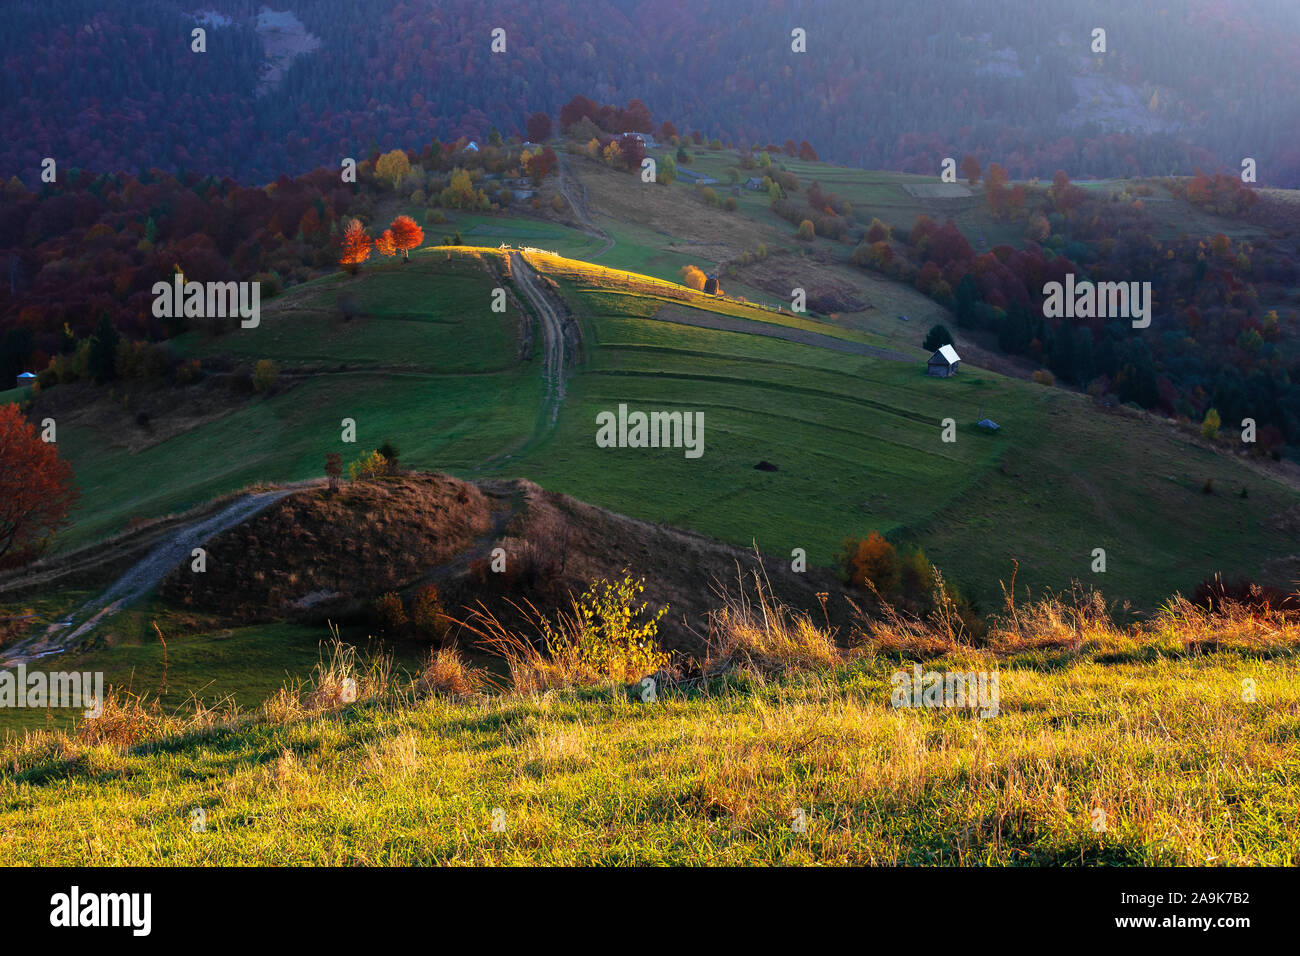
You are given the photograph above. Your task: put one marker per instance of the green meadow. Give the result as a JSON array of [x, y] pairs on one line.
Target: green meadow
[[857, 440], [810, 768]]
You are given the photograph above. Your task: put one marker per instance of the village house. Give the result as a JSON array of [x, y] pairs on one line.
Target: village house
[[943, 363], [25, 380]]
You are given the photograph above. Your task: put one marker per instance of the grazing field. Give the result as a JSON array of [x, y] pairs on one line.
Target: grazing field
[[857, 440], [872, 193], [430, 367], [859, 447]]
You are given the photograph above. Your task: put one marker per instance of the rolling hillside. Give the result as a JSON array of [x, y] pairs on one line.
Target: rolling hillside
[[856, 438]]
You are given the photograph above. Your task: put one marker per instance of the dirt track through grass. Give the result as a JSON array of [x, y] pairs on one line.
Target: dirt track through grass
[[141, 578], [552, 333]]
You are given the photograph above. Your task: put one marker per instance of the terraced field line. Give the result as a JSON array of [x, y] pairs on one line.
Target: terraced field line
[[727, 323]]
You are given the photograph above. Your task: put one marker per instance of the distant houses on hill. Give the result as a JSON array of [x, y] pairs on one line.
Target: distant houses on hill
[[943, 363]]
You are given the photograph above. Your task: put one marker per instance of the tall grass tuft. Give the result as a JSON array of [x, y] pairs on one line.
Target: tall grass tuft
[[754, 632]]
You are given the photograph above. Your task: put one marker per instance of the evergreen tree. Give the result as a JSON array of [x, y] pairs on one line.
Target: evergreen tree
[[937, 336], [103, 350]]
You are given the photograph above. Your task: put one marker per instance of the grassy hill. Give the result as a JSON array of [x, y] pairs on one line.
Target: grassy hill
[[796, 758], [856, 438]]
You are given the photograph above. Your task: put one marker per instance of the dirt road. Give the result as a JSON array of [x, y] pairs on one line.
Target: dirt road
[[141, 578], [572, 189], [553, 339]]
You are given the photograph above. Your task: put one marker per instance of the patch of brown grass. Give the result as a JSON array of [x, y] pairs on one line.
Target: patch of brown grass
[[446, 673], [754, 632]]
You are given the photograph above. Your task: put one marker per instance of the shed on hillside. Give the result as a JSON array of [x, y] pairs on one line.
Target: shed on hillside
[[943, 363], [711, 285], [26, 379]]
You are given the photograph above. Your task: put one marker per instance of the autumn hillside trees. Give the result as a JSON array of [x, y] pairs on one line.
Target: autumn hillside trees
[[402, 235], [538, 127], [356, 246], [36, 489], [406, 235]]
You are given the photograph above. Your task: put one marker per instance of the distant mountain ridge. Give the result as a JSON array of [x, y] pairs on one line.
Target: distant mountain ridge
[[284, 88]]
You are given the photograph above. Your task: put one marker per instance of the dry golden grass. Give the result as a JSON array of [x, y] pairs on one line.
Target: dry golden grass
[[448, 674], [755, 633]]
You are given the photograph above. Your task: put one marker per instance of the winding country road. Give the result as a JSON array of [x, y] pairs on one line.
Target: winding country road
[[578, 204], [552, 332], [141, 578]]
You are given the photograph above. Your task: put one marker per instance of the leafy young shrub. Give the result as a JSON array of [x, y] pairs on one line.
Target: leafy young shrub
[[609, 635], [870, 561], [1210, 427], [428, 614], [373, 465], [692, 277], [806, 231]]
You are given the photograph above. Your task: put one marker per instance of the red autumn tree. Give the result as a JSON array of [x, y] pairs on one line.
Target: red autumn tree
[[633, 150], [386, 245], [806, 152], [36, 488], [576, 109], [1060, 186], [356, 246], [406, 234], [538, 127], [970, 168], [540, 164]]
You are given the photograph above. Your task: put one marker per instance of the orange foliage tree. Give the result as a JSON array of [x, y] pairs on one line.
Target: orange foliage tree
[[36, 488], [406, 234], [386, 244], [356, 246], [692, 277], [871, 559]]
